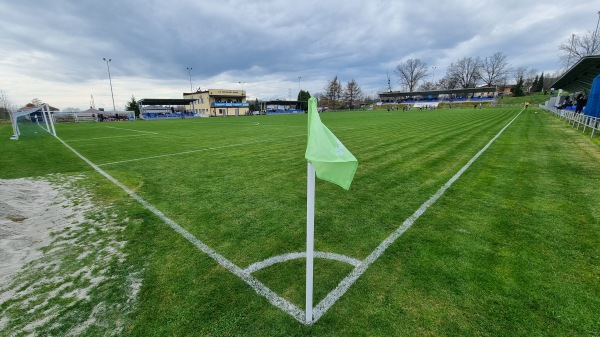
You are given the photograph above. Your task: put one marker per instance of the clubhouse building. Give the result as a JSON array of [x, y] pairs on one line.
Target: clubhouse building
[[207, 103], [217, 103]]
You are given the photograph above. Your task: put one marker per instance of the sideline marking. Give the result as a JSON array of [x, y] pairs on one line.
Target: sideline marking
[[345, 284], [322, 307], [194, 151], [112, 127], [259, 287]]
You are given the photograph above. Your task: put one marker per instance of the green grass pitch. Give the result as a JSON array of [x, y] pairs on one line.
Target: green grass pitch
[[511, 248]]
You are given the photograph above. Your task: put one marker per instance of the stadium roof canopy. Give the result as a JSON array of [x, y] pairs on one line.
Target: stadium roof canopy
[[580, 76], [465, 91], [165, 101]]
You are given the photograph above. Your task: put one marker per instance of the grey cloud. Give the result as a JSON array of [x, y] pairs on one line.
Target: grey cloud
[[65, 40]]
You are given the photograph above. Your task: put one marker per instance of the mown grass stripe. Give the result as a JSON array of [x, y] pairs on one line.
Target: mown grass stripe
[[258, 286], [349, 280]]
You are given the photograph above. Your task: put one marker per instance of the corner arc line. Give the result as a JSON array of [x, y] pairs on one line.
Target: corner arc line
[[300, 255]]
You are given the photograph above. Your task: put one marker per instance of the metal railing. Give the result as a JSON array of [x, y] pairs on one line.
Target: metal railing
[[576, 120]]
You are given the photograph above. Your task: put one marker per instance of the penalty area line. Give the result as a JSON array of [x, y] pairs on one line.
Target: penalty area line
[[112, 127], [194, 151], [349, 280]]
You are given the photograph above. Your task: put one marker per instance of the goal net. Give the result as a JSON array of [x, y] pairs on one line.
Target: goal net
[[30, 119]]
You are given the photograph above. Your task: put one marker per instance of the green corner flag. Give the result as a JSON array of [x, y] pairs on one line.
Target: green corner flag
[[330, 158]]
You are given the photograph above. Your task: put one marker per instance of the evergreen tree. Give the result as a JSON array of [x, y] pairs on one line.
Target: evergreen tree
[[254, 106], [518, 89], [133, 106], [303, 97], [534, 84], [540, 86]]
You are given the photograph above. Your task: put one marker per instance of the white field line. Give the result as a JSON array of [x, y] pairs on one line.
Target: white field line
[[304, 127], [199, 150], [113, 127], [345, 284], [220, 123], [258, 286], [261, 289], [300, 255], [287, 126], [108, 137]]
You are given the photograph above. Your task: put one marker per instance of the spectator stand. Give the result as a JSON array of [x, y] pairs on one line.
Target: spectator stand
[[164, 108], [283, 107]]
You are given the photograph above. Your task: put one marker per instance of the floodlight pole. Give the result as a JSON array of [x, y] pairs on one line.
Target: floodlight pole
[[191, 90], [299, 87], [190, 72], [110, 81], [596, 31], [433, 76]]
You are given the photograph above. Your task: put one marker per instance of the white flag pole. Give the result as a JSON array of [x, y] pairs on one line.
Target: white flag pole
[[310, 239]]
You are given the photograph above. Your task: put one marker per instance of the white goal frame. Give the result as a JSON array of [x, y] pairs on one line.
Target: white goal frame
[[45, 114]]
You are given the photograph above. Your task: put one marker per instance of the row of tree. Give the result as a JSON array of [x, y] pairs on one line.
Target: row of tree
[[470, 72], [337, 96], [495, 69], [467, 72]]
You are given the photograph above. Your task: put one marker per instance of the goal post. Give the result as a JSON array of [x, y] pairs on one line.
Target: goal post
[[24, 114]]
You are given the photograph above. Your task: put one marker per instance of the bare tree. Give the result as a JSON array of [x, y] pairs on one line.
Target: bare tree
[[71, 109], [411, 72], [427, 86], [465, 72], [495, 69], [578, 46], [549, 79], [447, 83], [352, 93], [529, 78], [519, 73], [6, 107]]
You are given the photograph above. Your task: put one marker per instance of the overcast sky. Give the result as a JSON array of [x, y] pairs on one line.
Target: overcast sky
[[53, 50]]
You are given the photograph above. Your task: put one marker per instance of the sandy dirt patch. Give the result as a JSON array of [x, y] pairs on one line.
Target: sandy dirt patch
[[62, 261], [29, 211]]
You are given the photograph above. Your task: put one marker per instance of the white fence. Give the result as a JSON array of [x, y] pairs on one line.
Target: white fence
[[576, 120]]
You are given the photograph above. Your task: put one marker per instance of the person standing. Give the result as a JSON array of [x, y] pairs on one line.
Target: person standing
[[580, 103]]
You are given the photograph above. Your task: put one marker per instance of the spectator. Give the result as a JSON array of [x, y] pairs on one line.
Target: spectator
[[581, 102]]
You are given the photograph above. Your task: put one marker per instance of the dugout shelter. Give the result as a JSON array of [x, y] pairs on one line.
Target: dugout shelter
[[283, 107], [161, 107]]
